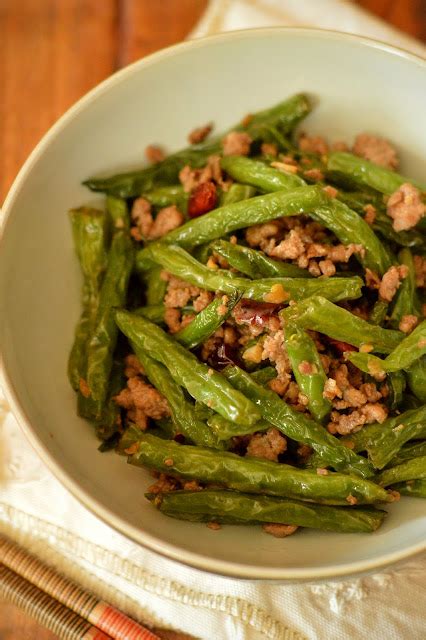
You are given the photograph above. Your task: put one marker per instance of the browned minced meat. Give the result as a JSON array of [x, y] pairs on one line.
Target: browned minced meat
[[269, 149], [236, 143], [313, 144], [166, 220], [420, 269], [405, 207], [314, 174], [376, 150], [202, 300], [179, 292], [142, 401], [200, 133], [370, 213], [391, 281], [175, 321], [132, 366], [257, 234], [274, 350], [154, 153], [192, 178], [142, 217], [164, 484], [267, 445], [149, 228], [408, 323], [279, 530]]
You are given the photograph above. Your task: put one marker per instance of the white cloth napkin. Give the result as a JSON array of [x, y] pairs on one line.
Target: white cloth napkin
[[39, 513]]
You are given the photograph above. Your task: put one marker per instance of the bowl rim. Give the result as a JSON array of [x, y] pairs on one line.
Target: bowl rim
[[136, 534]]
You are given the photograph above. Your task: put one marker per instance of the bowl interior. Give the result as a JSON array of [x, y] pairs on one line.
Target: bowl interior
[[360, 86]]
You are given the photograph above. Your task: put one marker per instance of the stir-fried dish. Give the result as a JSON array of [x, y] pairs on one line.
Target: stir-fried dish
[[253, 326]]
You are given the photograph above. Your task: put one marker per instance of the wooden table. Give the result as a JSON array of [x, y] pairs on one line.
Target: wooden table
[[54, 51]]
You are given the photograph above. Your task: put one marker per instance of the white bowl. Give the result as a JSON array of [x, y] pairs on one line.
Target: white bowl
[[361, 85]]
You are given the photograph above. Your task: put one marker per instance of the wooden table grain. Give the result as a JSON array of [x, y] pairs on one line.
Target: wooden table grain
[[54, 51]]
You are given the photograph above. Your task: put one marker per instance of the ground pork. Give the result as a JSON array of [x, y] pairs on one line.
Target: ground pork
[[290, 248], [202, 300], [314, 174], [374, 412], [154, 153], [376, 150], [312, 144], [200, 133], [327, 267], [280, 385], [267, 445], [142, 217], [391, 281], [192, 178], [258, 234], [420, 269], [345, 424], [405, 207], [132, 366], [279, 530], [179, 292], [370, 213], [164, 484], [269, 149], [174, 321], [275, 351], [236, 143], [408, 323], [166, 220], [284, 167], [140, 398]]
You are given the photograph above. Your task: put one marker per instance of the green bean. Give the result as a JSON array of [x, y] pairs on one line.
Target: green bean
[[108, 424], [347, 225], [89, 234], [413, 488], [410, 349], [104, 338], [182, 411], [225, 429], [396, 383], [264, 375], [220, 222], [207, 321], [236, 193], [298, 426], [285, 116], [241, 508], [153, 312], [408, 452], [416, 378], [181, 264], [201, 382], [414, 469], [319, 314], [166, 196], [378, 312], [383, 441], [255, 264], [118, 212], [155, 286], [406, 300], [252, 475], [368, 174], [259, 175], [307, 369]]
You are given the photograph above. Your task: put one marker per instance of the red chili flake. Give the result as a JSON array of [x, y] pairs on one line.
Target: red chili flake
[[203, 199], [341, 347]]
